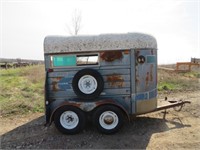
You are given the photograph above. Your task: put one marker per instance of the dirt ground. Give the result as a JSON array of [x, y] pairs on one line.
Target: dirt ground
[[179, 130]]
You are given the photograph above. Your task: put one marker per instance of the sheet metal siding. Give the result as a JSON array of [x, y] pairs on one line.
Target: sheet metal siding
[[115, 83], [125, 79], [115, 70]]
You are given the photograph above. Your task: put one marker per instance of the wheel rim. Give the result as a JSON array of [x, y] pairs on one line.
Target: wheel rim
[[108, 120], [69, 120], [87, 84]]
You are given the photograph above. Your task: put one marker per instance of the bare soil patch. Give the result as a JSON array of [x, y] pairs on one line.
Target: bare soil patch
[[179, 130]]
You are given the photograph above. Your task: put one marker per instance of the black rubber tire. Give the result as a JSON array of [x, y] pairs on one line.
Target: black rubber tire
[[81, 123], [93, 73], [106, 108]]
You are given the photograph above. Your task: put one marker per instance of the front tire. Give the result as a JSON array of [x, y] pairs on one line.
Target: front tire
[[69, 120], [108, 119]]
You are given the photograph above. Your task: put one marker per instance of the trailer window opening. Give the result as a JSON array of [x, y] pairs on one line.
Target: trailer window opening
[[87, 60], [63, 61]]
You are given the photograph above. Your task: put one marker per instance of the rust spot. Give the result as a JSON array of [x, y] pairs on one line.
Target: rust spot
[[72, 103], [147, 80], [126, 51], [56, 79], [76, 104], [111, 55], [102, 102], [55, 86], [137, 79], [115, 80], [151, 73], [59, 78], [55, 83]]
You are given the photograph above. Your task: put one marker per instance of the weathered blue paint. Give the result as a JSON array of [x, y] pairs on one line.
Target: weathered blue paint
[[151, 59], [64, 83], [141, 96], [153, 93], [146, 95]]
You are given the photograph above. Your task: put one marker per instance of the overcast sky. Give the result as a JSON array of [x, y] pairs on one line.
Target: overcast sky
[[174, 23]]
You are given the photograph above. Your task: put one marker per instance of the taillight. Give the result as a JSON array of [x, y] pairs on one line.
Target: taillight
[[50, 70]]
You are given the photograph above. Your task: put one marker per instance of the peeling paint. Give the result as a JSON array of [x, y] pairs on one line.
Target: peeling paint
[[137, 79], [151, 72], [55, 86], [110, 56], [147, 80], [55, 83], [56, 79], [115, 80]]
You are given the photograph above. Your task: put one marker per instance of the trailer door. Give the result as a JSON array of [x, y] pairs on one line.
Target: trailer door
[[145, 80]]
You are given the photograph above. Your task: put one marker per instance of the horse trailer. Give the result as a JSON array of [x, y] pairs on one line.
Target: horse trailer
[[106, 78]]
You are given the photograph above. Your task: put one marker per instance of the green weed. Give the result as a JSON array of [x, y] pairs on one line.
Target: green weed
[[193, 74], [178, 81]]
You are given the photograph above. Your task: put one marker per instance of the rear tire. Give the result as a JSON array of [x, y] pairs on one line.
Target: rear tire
[[108, 119], [69, 120]]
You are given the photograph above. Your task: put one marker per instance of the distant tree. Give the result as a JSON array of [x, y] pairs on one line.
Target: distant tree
[[75, 24]]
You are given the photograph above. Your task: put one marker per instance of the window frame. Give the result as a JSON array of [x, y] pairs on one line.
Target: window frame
[[93, 54], [76, 55]]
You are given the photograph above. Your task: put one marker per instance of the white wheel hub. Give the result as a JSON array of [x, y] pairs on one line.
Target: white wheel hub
[[108, 120], [87, 84], [69, 119]]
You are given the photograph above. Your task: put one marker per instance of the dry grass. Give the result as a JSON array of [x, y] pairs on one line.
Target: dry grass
[[174, 81], [21, 90]]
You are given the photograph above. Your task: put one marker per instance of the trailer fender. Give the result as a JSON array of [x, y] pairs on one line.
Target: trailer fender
[[84, 106]]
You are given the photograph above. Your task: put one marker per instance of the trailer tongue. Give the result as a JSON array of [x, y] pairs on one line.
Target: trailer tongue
[[177, 105]]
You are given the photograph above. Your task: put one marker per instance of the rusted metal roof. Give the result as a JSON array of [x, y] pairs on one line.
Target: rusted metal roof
[[67, 44]]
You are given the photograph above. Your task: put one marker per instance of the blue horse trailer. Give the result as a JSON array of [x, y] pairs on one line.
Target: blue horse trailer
[[106, 77]]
